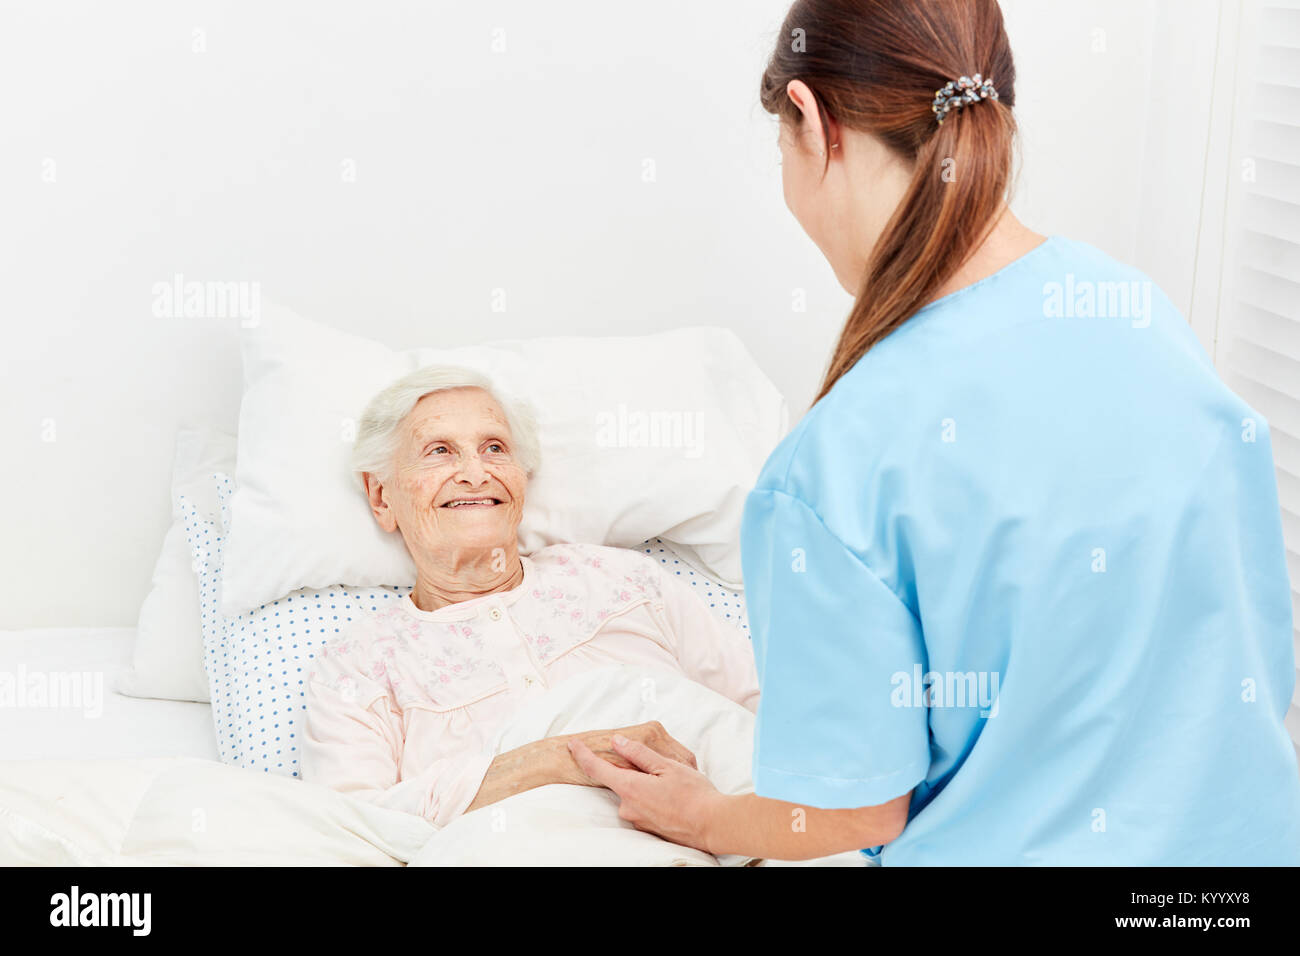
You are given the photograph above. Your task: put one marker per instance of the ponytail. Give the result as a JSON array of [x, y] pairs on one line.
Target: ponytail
[[874, 65]]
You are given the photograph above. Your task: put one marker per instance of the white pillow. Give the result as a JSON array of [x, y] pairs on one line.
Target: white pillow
[[299, 519], [168, 658]]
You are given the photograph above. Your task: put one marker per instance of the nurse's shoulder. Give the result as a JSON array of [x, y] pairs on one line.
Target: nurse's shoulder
[[1159, 334], [834, 459]]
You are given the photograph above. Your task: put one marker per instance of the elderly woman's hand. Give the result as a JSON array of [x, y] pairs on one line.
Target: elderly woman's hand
[[550, 760], [601, 742]]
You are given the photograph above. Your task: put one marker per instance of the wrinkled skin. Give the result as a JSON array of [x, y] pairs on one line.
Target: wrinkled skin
[[455, 446]]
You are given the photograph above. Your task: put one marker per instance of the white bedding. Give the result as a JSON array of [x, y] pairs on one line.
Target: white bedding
[[118, 726], [188, 812], [580, 826], [199, 812]]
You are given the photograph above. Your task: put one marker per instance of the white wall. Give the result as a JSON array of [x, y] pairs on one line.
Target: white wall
[[130, 157]]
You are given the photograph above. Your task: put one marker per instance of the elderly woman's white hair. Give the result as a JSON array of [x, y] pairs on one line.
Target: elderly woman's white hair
[[377, 431]]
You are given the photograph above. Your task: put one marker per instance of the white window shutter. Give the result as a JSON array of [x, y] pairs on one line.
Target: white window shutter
[[1258, 344]]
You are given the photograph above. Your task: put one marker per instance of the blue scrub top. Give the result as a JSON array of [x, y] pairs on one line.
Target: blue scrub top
[[1026, 560]]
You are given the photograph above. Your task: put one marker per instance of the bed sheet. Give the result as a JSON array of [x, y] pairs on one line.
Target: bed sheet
[[57, 701]]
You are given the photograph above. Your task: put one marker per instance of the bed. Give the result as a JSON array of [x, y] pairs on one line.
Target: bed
[[128, 726]]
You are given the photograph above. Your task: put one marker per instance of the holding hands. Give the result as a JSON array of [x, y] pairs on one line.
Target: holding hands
[[660, 793], [601, 744], [654, 775]]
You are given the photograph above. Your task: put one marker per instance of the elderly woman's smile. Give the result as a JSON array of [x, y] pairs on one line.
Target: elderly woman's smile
[[450, 476]]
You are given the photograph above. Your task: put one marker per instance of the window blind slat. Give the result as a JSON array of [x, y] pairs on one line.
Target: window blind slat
[[1279, 142], [1293, 567], [1291, 532], [1273, 331], [1272, 255], [1288, 488], [1271, 293], [1277, 64], [1278, 374], [1277, 103], [1279, 23], [1271, 216], [1276, 179]]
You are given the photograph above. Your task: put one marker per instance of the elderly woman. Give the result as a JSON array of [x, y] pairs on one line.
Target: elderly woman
[[403, 707]]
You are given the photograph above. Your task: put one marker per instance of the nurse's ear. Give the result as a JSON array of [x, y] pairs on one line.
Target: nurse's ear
[[813, 134]]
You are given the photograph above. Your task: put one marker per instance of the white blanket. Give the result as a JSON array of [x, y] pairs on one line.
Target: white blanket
[[187, 811], [563, 825]]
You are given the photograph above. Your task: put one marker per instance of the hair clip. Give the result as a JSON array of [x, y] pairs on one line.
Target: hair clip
[[957, 93]]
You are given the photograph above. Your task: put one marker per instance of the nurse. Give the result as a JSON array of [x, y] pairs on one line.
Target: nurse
[[1016, 581]]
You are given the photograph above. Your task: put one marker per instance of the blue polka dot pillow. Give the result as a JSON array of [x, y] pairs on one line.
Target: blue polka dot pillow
[[257, 663], [728, 605]]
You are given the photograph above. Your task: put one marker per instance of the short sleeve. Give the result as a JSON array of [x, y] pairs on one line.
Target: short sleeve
[[830, 641]]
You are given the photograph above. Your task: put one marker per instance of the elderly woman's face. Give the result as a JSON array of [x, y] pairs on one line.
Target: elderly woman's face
[[456, 482]]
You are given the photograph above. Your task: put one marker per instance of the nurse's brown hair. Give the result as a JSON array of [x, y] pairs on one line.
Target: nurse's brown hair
[[875, 66]]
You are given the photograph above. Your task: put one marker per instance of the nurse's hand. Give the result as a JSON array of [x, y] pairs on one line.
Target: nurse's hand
[[660, 795], [652, 734]]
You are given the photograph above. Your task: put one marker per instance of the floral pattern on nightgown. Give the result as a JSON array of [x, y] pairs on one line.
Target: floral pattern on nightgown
[[580, 590], [574, 591], [453, 667]]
